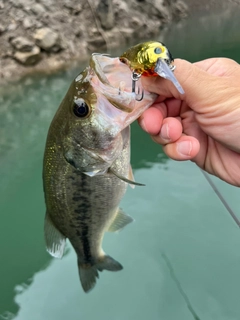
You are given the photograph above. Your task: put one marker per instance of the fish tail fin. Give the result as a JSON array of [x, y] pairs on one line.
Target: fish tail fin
[[89, 273], [88, 276], [108, 263]]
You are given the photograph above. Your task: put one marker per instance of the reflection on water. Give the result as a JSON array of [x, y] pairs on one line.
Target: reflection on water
[[177, 213], [24, 117], [200, 241]]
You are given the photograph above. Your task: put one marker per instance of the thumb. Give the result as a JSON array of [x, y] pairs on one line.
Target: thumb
[[198, 83]]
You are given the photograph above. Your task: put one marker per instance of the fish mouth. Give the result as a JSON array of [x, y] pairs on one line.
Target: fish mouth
[[112, 83]]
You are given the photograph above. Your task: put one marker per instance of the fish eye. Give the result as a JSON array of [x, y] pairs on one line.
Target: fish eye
[[157, 50], [80, 108]]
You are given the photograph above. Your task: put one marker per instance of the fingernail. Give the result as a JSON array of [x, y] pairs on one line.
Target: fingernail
[[165, 132], [184, 148]]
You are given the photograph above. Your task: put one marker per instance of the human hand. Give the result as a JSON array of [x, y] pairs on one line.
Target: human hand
[[203, 125]]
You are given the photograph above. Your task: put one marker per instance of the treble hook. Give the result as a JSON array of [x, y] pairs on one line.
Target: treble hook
[[135, 77]]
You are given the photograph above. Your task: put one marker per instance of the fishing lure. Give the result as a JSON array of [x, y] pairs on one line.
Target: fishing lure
[[150, 59]]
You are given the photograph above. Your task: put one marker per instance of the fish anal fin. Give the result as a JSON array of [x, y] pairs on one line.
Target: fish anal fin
[[120, 221], [108, 263], [55, 240]]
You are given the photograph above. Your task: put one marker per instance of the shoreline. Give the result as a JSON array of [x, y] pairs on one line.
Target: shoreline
[[44, 36]]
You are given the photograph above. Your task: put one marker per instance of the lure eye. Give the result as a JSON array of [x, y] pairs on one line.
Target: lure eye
[[80, 108], [157, 50]]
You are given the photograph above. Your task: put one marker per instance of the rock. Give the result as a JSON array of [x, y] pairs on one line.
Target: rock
[[179, 10], [22, 44], [38, 9], [61, 16], [28, 58], [12, 27], [39, 24], [96, 43], [74, 9], [105, 14], [93, 33], [48, 3], [135, 23], [121, 9], [2, 29], [28, 23], [19, 16], [78, 32], [17, 4], [47, 40], [160, 10]]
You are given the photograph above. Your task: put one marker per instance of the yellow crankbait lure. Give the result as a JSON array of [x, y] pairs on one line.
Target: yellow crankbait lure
[[150, 59]]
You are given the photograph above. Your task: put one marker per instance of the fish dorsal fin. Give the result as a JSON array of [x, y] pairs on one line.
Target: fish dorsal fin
[[125, 179], [120, 221], [55, 241], [131, 176]]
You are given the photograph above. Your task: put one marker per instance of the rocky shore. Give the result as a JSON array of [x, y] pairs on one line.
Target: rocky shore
[[46, 35]]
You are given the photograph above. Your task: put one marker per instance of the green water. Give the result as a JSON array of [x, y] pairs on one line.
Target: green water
[[181, 256]]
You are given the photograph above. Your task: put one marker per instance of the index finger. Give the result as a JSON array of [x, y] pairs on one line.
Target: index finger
[[151, 120]]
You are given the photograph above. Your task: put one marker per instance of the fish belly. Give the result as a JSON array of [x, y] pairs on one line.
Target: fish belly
[[82, 208]]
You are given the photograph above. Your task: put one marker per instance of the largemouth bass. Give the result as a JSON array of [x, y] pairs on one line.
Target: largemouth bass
[[87, 164]]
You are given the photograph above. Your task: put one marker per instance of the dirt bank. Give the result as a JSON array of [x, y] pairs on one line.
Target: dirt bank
[[45, 35]]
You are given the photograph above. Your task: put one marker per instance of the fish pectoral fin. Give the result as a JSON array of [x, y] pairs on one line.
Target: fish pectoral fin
[[55, 241], [120, 221], [131, 176], [125, 179]]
